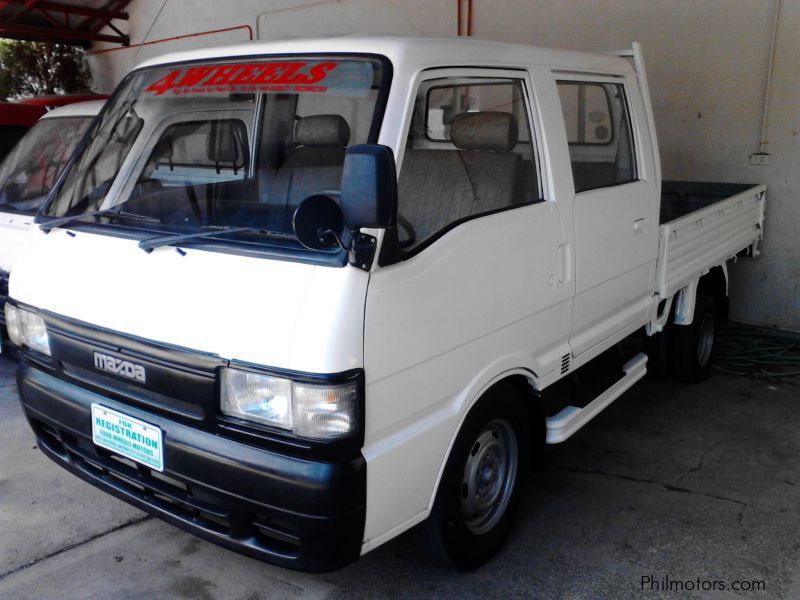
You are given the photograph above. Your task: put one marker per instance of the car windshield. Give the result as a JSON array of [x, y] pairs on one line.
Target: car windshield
[[223, 146], [30, 171]]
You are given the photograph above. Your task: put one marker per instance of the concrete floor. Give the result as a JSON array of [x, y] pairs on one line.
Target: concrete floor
[[675, 481]]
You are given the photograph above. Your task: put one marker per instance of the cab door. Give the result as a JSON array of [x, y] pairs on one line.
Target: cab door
[[470, 288], [613, 210]]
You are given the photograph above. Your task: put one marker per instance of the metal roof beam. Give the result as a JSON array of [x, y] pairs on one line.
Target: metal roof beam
[[66, 35], [83, 11]]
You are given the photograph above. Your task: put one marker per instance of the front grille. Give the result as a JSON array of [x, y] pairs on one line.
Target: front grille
[[3, 285], [189, 502]]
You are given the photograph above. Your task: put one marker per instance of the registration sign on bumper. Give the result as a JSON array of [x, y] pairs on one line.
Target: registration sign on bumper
[[129, 437]]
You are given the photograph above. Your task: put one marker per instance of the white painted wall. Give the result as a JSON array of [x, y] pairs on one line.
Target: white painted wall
[[707, 62], [267, 19]]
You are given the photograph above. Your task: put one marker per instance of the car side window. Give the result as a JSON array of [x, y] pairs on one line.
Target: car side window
[[468, 153], [201, 152], [599, 134]]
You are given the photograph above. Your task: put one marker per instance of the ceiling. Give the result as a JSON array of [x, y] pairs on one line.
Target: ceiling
[[73, 22]]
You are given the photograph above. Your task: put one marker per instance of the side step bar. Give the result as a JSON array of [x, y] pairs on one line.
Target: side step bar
[[561, 426]]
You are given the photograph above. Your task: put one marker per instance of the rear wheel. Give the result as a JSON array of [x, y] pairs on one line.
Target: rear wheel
[[477, 497], [692, 345]]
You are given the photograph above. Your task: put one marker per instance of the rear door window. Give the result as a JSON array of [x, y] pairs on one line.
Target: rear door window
[[598, 130]]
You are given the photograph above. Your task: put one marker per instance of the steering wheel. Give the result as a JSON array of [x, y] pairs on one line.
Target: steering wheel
[[406, 225]]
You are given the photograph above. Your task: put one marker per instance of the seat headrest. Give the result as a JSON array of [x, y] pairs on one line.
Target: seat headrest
[[222, 146], [322, 130], [484, 131]]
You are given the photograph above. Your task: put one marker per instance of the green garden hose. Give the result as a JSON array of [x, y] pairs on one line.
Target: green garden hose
[[757, 353]]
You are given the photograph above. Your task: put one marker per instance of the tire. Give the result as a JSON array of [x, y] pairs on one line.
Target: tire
[[480, 488], [692, 346]]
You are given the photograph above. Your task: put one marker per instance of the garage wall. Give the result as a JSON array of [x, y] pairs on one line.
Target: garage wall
[[220, 22], [707, 63]]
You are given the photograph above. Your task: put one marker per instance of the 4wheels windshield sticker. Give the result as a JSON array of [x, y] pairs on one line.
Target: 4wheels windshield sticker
[[351, 78]]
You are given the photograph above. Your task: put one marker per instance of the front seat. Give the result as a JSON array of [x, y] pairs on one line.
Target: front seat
[[316, 164], [443, 186]]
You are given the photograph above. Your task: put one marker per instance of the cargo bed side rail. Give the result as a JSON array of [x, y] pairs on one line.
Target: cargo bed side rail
[[691, 245]]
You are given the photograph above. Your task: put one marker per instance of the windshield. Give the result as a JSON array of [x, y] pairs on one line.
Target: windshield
[[30, 171], [223, 146]]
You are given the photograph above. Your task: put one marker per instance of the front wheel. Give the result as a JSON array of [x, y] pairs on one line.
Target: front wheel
[[477, 497], [693, 345]]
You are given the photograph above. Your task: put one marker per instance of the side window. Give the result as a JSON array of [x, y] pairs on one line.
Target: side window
[[468, 153], [199, 153], [599, 134]]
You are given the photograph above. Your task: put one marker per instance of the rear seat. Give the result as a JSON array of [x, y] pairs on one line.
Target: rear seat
[[316, 164], [438, 187]]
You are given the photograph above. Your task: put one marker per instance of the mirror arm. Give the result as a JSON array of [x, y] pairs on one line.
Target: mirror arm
[[343, 244], [362, 249]]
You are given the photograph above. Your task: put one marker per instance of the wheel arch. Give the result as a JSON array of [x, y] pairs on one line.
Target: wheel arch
[[526, 384], [713, 283]]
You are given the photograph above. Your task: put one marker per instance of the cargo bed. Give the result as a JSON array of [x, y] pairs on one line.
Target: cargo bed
[[702, 225]]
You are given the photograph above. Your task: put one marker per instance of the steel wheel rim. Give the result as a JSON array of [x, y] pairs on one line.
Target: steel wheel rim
[[705, 340], [490, 473]]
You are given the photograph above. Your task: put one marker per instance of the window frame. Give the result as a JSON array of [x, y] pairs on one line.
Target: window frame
[[608, 104], [599, 79], [390, 250]]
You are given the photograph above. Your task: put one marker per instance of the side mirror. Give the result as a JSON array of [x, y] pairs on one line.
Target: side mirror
[[369, 187], [368, 198], [318, 222]]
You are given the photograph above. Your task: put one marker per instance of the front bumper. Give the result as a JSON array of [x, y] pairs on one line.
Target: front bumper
[[289, 511]]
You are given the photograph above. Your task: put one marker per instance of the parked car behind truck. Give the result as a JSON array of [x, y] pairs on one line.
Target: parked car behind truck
[[338, 288], [16, 118], [28, 174]]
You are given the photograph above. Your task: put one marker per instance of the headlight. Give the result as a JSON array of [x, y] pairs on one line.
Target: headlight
[[309, 410], [13, 325], [257, 398], [26, 328]]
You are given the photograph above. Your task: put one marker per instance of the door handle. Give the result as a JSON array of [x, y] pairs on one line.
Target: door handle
[[640, 226], [563, 263]]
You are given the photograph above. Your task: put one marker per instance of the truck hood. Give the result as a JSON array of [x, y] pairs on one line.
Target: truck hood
[[14, 234], [270, 312]]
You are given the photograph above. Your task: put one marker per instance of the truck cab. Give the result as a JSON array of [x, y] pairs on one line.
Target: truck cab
[[30, 171], [337, 288]]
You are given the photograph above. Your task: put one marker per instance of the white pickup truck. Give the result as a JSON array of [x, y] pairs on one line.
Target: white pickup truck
[[342, 287], [27, 175]]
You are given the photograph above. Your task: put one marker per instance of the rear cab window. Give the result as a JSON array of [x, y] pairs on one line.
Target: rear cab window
[[598, 126]]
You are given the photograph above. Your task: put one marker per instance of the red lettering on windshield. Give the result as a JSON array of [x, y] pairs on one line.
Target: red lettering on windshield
[[228, 78]]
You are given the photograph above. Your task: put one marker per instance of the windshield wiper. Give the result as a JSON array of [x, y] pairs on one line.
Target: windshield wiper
[[108, 212], [149, 244]]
